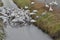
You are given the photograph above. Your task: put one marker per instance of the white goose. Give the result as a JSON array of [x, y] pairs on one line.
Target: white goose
[[35, 11], [44, 13], [51, 3], [32, 13], [32, 3], [14, 20], [12, 14], [46, 5], [50, 9], [54, 2], [26, 7], [5, 19], [18, 20], [33, 21], [37, 16]]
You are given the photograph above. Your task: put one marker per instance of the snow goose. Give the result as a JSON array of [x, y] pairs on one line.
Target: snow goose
[[26, 7], [51, 3], [37, 16], [46, 5], [14, 20], [33, 21], [50, 9], [43, 13], [32, 3], [35, 11], [32, 13], [5, 19], [55, 2]]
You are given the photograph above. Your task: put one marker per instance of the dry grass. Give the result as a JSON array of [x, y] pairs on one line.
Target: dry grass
[[1, 4], [50, 23], [2, 34], [22, 3]]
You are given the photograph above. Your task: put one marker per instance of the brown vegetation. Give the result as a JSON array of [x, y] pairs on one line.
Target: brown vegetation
[[50, 23]]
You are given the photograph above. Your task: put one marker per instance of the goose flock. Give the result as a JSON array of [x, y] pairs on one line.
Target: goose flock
[[21, 15], [14, 16], [49, 5]]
